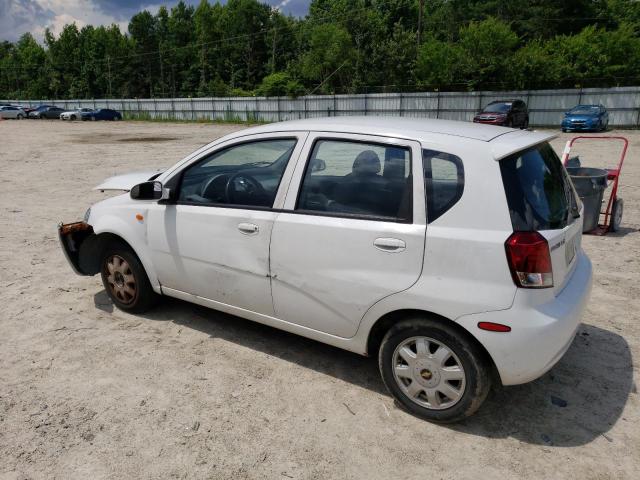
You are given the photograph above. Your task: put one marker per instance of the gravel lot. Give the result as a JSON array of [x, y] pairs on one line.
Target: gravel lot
[[87, 391]]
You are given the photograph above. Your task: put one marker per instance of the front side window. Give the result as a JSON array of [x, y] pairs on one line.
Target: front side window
[[243, 175], [443, 181], [358, 179]]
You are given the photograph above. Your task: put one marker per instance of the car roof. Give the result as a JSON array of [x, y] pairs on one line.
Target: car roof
[[385, 126], [501, 141], [506, 100]]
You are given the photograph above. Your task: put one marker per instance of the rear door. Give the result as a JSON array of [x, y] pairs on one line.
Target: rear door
[[352, 231], [541, 198]]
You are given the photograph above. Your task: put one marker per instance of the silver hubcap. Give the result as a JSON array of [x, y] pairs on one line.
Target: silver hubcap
[[429, 373], [120, 279]]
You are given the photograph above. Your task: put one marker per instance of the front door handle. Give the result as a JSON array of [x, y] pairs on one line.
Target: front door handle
[[389, 244], [248, 228]]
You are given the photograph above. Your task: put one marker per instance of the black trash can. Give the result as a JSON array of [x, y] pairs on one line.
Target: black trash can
[[590, 184]]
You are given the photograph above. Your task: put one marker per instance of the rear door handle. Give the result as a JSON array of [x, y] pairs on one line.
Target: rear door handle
[[248, 228], [389, 244]]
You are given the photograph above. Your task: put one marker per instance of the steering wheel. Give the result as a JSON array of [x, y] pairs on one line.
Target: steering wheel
[[249, 187]]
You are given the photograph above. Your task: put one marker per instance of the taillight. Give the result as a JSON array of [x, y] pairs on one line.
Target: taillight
[[529, 260]]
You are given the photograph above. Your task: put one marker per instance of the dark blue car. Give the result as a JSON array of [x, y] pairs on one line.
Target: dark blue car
[[102, 114], [586, 117]]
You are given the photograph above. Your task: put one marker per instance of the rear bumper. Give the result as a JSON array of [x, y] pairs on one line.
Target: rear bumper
[[540, 333]]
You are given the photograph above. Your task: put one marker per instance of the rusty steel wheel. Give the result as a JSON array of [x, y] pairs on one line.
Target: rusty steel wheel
[[120, 279]]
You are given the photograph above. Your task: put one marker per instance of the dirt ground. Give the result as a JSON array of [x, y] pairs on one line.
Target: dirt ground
[[87, 391]]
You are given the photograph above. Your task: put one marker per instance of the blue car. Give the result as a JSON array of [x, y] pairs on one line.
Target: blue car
[[101, 114], [586, 117]]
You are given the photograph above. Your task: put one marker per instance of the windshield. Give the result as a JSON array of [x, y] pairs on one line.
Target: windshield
[[538, 191], [498, 107], [584, 110]]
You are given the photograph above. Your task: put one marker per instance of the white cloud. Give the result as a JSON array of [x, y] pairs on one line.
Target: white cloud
[[80, 12]]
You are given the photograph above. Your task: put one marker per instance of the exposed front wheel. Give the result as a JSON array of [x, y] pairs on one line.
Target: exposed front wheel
[[20, 116], [433, 371], [126, 281]]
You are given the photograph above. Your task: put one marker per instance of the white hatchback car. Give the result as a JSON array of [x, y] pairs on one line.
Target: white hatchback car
[[450, 250]]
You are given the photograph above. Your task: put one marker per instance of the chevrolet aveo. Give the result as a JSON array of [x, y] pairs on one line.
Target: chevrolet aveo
[[451, 251]]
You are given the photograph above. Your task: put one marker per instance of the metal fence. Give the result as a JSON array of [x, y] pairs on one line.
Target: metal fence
[[546, 107]]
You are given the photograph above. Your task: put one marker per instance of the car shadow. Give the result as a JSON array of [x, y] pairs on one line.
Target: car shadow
[[579, 400], [622, 232]]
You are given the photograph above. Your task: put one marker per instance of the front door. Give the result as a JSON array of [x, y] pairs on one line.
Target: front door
[[214, 242], [352, 231]]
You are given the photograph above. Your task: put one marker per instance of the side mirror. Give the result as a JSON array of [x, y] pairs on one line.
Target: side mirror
[[149, 191], [318, 165]]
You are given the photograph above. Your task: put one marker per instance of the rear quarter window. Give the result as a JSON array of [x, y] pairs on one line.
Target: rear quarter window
[[443, 182]]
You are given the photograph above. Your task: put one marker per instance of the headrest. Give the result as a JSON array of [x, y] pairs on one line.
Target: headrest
[[366, 163]]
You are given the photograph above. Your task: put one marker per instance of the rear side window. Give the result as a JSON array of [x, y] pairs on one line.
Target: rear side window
[[443, 181], [537, 189], [359, 179]]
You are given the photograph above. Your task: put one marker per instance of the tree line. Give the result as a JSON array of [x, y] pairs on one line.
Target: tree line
[[247, 48]]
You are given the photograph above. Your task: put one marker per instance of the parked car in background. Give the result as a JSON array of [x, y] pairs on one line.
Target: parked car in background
[[507, 113], [75, 114], [102, 114], [35, 113], [12, 112], [26, 108], [318, 227], [46, 112], [586, 117]]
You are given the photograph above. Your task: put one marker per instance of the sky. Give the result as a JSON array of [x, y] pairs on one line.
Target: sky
[[20, 16]]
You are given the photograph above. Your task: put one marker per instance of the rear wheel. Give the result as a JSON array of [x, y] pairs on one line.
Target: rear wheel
[[20, 116], [126, 281], [72, 117], [433, 371], [616, 215]]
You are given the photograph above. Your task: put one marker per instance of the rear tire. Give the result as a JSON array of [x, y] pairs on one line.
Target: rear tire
[[125, 280], [616, 215], [72, 118], [20, 116], [433, 371]]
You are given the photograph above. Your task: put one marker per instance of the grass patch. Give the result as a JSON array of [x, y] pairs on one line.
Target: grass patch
[[229, 117]]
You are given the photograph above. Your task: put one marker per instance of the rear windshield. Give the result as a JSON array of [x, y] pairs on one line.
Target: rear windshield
[[539, 194]]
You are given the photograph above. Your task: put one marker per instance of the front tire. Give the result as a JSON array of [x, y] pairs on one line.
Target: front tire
[[433, 371], [20, 116], [125, 280]]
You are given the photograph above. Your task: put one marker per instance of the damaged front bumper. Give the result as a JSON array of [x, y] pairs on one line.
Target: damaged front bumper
[[79, 244]]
